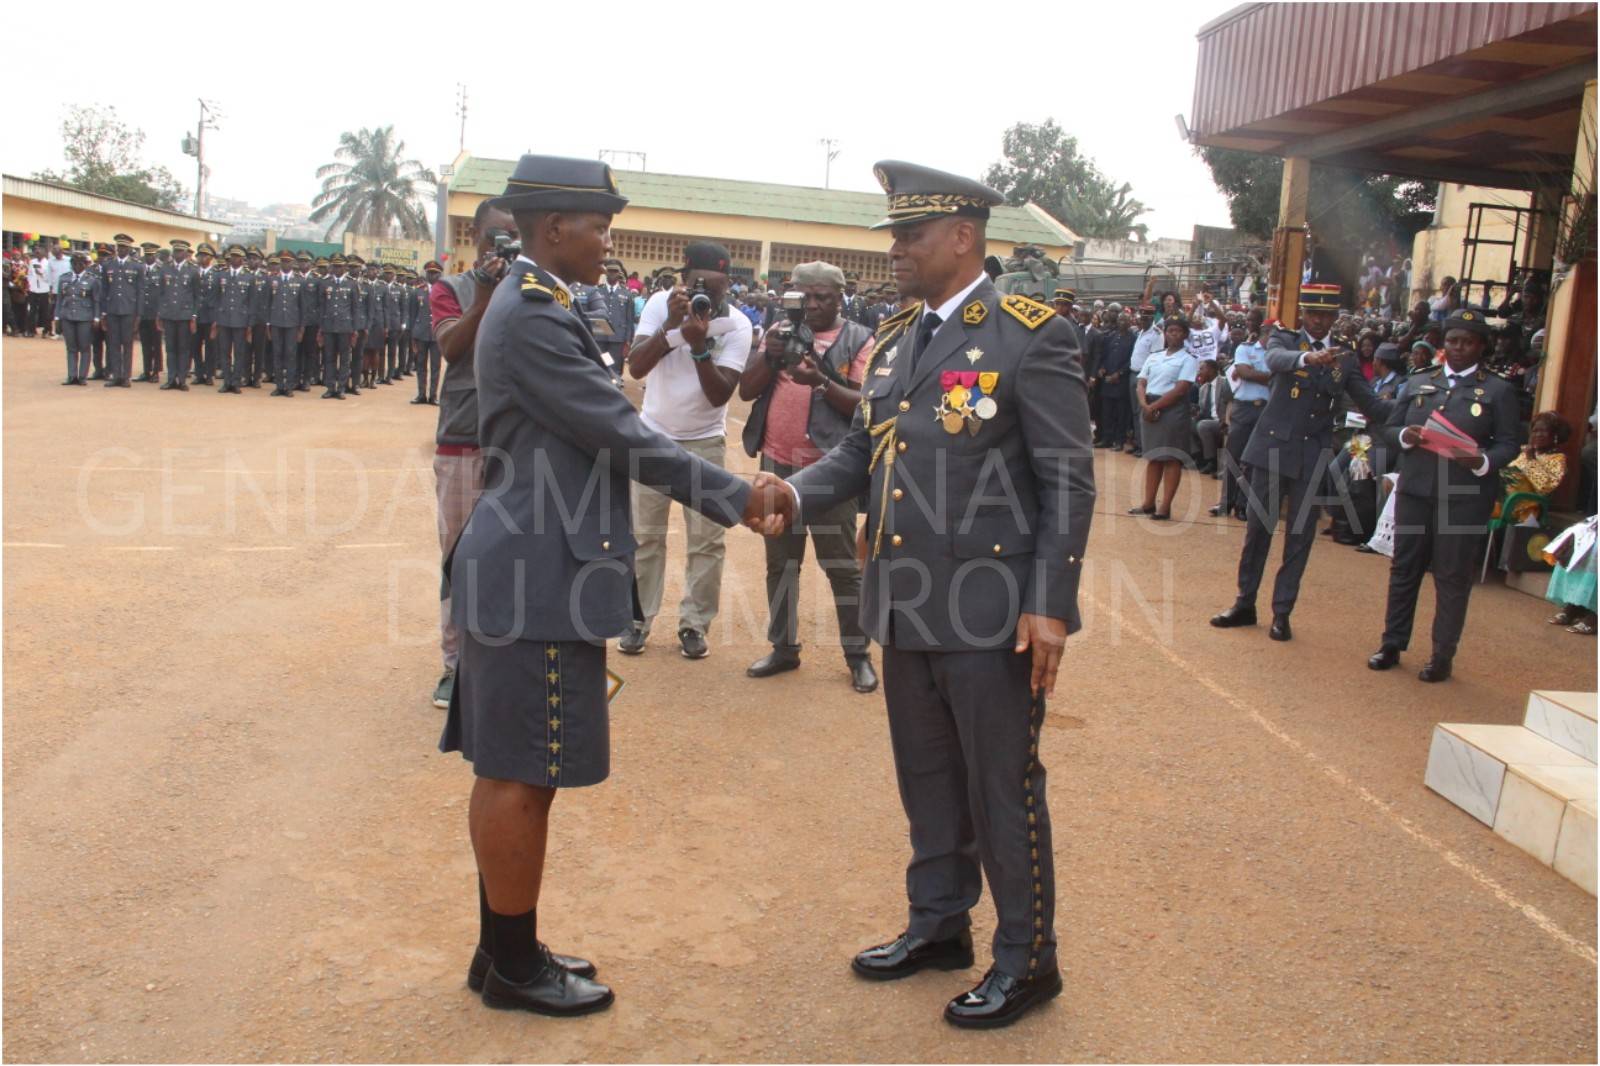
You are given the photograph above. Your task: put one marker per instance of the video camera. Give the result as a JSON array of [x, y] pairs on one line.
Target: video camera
[[507, 247], [798, 340], [701, 305]]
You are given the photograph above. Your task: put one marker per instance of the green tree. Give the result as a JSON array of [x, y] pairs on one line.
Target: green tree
[[1042, 164], [371, 190], [1350, 207], [102, 155]]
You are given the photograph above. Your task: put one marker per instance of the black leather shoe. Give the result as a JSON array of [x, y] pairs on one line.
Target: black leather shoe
[[418, 399], [693, 643], [1001, 999], [553, 990], [632, 642], [570, 963], [863, 678], [70, 381], [327, 394], [1385, 658], [1235, 616], [1437, 669], [778, 662], [1215, 512], [1280, 628], [907, 954]]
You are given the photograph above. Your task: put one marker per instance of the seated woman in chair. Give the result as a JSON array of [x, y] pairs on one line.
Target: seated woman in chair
[[1540, 468]]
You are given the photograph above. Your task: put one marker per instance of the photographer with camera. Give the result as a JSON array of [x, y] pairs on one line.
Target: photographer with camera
[[691, 344], [805, 382], [456, 303]]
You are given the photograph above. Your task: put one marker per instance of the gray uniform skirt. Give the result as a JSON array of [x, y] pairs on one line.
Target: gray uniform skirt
[[531, 711], [1172, 434]]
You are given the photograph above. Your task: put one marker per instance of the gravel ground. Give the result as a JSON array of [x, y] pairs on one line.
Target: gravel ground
[[229, 834]]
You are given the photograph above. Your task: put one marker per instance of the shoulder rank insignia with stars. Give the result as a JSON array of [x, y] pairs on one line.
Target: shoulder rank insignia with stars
[[903, 315], [534, 288], [1030, 313], [974, 313]]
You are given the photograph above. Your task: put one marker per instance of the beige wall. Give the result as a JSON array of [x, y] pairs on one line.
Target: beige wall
[[22, 215], [1436, 251]]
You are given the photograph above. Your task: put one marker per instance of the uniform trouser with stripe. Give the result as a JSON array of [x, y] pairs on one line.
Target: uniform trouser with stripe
[[150, 346], [260, 335], [1267, 491], [79, 338], [310, 362], [180, 342], [391, 353], [285, 353], [964, 729], [203, 352], [119, 346], [1426, 540], [98, 347], [428, 356], [232, 354], [336, 360], [1242, 418]]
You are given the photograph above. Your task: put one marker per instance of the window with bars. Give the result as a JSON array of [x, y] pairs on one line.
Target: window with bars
[[871, 267]]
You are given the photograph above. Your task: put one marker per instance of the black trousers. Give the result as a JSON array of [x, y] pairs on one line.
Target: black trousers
[[1242, 418], [336, 361], [1268, 490], [180, 342], [256, 363], [310, 362], [76, 336], [119, 346], [428, 363], [964, 729], [285, 356], [1425, 539], [97, 348], [1115, 415], [38, 311], [833, 537], [391, 353], [150, 347], [233, 354], [203, 354]]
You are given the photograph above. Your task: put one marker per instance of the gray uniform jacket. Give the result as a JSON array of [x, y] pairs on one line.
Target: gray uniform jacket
[[260, 297], [421, 314], [1294, 435], [79, 297], [232, 306], [393, 305], [123, 278], [548, 551], [967, 530], [337, 301], [180, 290], [150, 291], [362, 313], [285, 296], [206, 290], [310, 299], [618, 311], [1485, 408]]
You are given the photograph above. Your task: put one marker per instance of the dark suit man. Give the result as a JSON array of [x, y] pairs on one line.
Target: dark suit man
[[150, 313], [339, 309], [1290, 451], [78, 309], [231, 328], [619, 313], [307, 361], [1442, 506], [179, 311], [1111, 370], [973, 448], [536, 595], [204, 352], [285, 309], [124, 278]]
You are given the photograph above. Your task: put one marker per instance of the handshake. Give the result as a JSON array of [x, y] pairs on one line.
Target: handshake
[[771, 509]]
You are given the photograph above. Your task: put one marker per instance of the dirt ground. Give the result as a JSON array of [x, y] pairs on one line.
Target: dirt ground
[[229, 834]]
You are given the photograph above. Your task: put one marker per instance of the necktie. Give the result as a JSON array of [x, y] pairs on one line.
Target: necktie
[[925, 331], [1317, 346]]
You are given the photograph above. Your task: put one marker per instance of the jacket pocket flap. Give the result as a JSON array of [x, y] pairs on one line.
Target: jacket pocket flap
[[992, 536], [602, 535]]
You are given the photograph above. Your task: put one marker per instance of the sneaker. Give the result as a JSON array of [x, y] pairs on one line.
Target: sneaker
[[693, 642], [446, 687], [632, 642]]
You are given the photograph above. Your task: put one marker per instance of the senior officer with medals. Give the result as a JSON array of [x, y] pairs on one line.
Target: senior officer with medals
[[1290, 451], [542, 573], [973, 447], [1443, 504]]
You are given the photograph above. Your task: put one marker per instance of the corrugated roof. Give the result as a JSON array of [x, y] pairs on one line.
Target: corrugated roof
[[66, 196], [790, 203]]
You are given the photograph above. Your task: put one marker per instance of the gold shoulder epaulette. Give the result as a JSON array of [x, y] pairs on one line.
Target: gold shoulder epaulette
[[1030, 313], [904, 315], [534, 288]]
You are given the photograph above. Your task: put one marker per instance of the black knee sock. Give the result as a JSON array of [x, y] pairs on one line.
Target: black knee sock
[[516, 945], [485, 930]]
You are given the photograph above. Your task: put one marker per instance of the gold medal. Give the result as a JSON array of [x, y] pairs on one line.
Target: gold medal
[[952, 422], [1294, 393], [1477, 410], [956, 397]]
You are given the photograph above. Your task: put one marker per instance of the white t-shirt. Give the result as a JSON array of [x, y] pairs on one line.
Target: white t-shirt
[[674, 402], [59, 268]]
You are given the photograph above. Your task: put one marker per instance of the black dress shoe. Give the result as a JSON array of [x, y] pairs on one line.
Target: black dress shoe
[[553, 990], [632, 642], [419, 399], [481, 963], [693, 643], [1366, 549], [169, 386], [1001, 999], [124, 384], [907, 954], [302, 388], [1280, 628], [1142, 510], [863, 678], [777, 662], [81, 381], [1215, 512], [111, 383], [1436, 670], [328, 394], [1235, 616], [70, 381], [1384, 658], [182, 387]]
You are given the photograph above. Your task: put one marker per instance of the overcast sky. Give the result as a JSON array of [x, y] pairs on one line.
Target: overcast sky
[[735, 91]]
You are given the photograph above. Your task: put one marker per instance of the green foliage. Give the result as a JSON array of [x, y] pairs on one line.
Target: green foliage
[[1346, 207], [370, 190], [1042, 164], [103, 158]]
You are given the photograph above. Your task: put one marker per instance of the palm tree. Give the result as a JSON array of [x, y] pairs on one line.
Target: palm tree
[[371, 189]]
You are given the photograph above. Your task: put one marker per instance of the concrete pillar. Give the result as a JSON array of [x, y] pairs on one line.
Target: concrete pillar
[[1289, 243], [766, 261], [1538, 249]]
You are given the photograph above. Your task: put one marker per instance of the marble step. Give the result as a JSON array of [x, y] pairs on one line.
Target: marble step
[[1575, 847], [1565, 718], [1533, 803], [1467, 762]]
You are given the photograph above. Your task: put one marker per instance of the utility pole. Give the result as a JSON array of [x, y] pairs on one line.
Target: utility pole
[[461, 113], [196, 146], [615, 156], [831, 146]]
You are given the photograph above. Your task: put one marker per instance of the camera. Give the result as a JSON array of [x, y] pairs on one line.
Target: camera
[[798, 340], [507, 247], [700, 302]]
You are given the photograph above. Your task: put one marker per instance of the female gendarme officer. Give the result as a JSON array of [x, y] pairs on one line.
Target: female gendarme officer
[[543, 571]]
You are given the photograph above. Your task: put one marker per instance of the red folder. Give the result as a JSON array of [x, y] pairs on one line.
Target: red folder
[[1443, 437]]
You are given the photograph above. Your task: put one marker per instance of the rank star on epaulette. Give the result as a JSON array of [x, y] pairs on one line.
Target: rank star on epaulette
[[1030, 313]]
